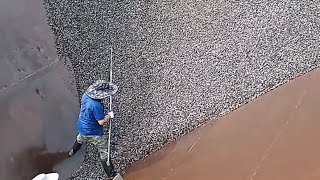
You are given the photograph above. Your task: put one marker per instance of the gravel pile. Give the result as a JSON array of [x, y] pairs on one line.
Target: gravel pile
[[179, 64]]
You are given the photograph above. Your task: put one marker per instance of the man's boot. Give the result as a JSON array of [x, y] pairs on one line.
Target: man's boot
[[75, 148], [108, 169]]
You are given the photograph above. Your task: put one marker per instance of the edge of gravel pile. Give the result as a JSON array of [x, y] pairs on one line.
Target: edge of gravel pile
[[180, 64]]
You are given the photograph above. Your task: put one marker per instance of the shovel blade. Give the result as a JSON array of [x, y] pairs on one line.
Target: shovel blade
[[109, 169], [118, 177]]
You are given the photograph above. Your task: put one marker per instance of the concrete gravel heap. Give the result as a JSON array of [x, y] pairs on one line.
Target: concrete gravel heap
[[179, 64]]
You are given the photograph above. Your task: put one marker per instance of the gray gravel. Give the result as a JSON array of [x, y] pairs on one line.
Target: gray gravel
[[179, 64]]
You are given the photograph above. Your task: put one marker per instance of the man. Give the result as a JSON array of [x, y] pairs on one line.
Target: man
[[92, 118]]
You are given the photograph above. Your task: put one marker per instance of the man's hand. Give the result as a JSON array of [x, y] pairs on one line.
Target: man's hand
[[111, 114], [106, 118]]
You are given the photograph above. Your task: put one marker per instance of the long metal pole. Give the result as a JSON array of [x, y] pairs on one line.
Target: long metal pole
[[111, 65], [110, 109]]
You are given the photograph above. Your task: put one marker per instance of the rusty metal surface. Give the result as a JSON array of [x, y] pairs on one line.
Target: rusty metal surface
[[38, 101], [274, 137]]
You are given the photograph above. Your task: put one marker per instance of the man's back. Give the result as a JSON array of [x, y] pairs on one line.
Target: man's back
[[91, 111]]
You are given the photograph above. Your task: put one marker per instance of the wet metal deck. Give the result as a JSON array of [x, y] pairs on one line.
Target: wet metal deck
[[38, 103]]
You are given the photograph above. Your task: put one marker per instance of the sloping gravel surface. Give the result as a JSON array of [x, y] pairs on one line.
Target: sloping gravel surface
[[180, 63]]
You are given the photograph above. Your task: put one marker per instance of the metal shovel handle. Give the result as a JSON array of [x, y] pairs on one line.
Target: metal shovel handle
[[110, 109]]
